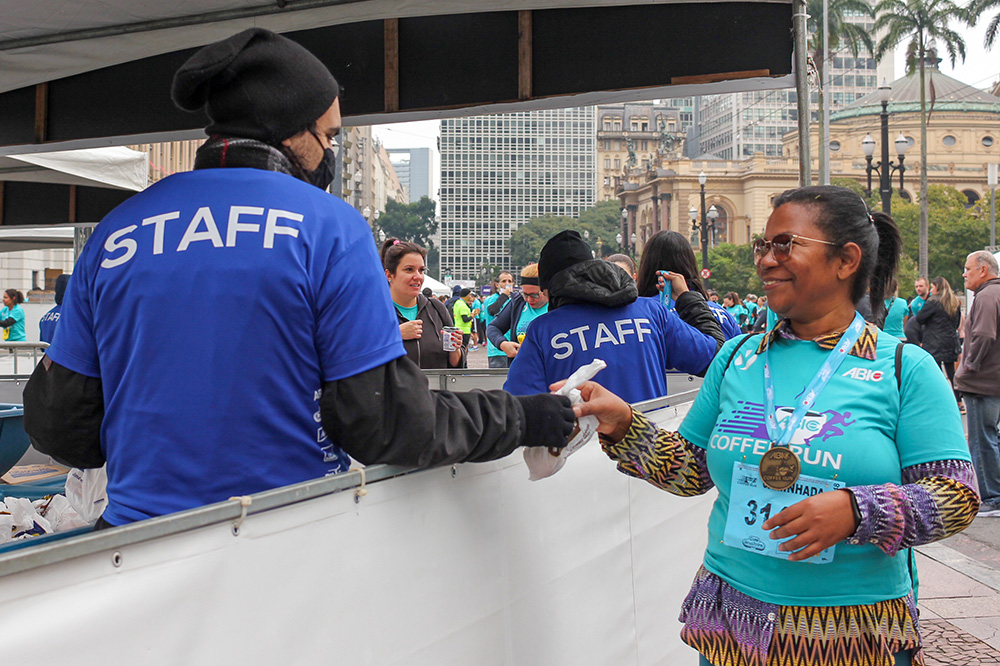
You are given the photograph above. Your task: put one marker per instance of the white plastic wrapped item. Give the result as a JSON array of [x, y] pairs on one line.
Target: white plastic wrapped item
[[86, 490], [26, 520], [60, 514], [543, 462]]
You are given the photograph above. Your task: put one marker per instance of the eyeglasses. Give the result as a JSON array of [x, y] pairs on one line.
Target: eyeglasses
[[781, 245], [537, 294]]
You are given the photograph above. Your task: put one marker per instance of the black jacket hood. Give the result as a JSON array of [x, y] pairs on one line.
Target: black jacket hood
[[594, 281]]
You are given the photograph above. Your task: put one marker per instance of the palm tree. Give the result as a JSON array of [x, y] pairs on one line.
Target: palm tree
[[925, 23], [852, 35], [975, 10]]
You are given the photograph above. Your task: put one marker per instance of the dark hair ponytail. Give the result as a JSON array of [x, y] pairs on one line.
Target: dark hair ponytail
[[393, 250], [887, 260], [15, 296], [843, 216], [668, 251]]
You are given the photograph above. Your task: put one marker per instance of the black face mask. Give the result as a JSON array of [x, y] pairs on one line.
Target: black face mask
[[322, 175]]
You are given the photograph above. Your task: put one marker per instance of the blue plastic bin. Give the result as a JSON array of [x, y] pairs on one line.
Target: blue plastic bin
[[13, 440]]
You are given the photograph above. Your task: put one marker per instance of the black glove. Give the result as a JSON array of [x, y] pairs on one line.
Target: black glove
[[548, 420]]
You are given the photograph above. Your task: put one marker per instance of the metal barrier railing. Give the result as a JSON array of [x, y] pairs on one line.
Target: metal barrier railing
[[20, 350]]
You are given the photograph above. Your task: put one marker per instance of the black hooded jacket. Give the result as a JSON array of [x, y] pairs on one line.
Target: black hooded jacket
[[603, 283]]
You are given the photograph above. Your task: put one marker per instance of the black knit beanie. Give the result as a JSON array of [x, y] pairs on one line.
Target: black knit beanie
[[256, 85], [563, 250]]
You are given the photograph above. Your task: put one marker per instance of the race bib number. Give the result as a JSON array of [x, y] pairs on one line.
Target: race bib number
[[751, 503]]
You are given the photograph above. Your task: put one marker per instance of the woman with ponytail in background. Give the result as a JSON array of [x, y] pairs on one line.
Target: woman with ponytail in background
[[940, 329], [829, 449], [12, 316]]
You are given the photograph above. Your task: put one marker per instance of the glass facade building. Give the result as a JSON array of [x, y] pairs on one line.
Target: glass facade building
[[500, 171]]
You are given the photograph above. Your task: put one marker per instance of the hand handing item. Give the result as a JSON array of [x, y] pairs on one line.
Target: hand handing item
[[542, 463]]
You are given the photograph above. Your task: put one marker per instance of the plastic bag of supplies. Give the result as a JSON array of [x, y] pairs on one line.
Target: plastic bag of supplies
[[543, 462], [86, 490]]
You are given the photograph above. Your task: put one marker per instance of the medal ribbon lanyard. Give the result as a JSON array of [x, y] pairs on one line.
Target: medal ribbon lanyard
[[833, 360]]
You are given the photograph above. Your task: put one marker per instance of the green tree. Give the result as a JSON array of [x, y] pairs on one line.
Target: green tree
[[599, 224], [526, 243], [953, 231], [925, 24], [842, 33], [603, 221], [732, 270], [976, 9], [414, 222]]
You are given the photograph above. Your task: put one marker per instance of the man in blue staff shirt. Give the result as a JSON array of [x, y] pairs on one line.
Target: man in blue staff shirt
[[228, 329], [595, 312], [50, 320]]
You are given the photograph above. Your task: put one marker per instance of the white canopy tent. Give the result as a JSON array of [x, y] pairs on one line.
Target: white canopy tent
[[115, 167], [91, 74], [439, 288]]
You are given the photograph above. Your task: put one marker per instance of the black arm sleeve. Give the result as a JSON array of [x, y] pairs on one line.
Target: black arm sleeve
[[497, 305], [694, 311], [498, 328], [388, 415], [7, 323], [63, 411]]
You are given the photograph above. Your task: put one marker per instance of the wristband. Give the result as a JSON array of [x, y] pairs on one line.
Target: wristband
[[856, 510]]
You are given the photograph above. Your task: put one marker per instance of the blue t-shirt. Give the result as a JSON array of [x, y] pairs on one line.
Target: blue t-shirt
[[639, 342], [14, 332], [895, 312], [47, 324], [916, 305], [491, 350], [862, 430], [214, 306], [730, 327]]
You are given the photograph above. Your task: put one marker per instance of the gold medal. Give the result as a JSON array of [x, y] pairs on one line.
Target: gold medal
[[779, 467]]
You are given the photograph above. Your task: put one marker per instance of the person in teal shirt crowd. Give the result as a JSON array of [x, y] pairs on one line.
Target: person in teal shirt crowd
[[923, 289], [492, 307], [823, 433], [12, 316], [735, 307], [896, 310]]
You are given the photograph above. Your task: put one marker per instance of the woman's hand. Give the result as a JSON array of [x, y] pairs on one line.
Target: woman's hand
[[613, 413], [510, 348], [817, 523], [412, 330], [678, 285]]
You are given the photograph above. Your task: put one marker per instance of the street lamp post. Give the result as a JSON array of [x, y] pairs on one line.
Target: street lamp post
[[884, 167], [618, 239], [633, 239], [708, 217]]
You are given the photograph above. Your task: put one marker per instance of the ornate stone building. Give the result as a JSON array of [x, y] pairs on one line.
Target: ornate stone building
[[963, 137]]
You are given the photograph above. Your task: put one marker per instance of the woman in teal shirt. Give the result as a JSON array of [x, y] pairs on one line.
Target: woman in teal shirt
[[12, 316], [895, 312], [868, 463], [735, 307]]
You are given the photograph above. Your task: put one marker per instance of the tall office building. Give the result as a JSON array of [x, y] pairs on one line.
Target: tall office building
[[735, 126], [498, 172], [414, 167]]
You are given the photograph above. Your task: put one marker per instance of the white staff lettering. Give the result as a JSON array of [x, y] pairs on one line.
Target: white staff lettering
[[588, 337], [122, 245]]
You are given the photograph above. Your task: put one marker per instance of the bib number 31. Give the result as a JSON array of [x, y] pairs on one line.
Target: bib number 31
[[751, 503]]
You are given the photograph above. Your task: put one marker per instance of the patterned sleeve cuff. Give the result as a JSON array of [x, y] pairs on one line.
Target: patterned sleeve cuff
[[938, 500], [663, 458]]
